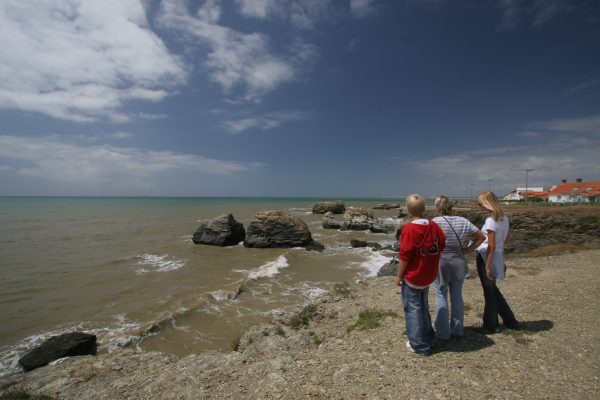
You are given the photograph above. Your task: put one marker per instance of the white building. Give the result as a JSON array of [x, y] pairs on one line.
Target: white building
[[575, 192], [519, 193]]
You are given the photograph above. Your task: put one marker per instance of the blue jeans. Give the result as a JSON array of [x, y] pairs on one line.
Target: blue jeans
[[495, 304], [449, 322], [421, 335]]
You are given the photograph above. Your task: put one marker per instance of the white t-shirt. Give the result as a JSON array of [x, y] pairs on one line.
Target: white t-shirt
[[501, 229]]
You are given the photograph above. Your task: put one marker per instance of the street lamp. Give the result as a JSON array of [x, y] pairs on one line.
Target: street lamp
[[527, 171]]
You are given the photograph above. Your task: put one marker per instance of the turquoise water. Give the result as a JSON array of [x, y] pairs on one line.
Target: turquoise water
[[117, 267]]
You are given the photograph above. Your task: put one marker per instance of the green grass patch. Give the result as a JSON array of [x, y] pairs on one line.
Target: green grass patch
[[303, 317], [342, 289], [369, 319], [23, 395], [317, 340]]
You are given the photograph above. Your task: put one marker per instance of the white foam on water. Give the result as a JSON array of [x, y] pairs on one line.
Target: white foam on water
[[374, 262], [269, 269], [156, 263]]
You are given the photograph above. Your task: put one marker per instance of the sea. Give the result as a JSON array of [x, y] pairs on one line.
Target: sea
[[126, 269]]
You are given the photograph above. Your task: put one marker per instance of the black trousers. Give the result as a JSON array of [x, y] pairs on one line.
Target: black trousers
[[495, 304]]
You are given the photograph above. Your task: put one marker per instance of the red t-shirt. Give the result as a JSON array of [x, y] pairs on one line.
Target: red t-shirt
[[421, 245]]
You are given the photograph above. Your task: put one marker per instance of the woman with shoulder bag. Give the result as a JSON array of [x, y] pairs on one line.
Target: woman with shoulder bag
[[453, 269]]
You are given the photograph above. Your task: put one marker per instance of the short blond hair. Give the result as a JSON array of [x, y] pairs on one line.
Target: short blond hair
[[490, 202], [415, 204]]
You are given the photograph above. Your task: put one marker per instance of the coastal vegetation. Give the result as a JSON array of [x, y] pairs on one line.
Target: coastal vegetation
[[369, 319]]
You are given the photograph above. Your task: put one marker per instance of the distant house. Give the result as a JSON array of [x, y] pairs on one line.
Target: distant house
[[575, 192], [520, 192]]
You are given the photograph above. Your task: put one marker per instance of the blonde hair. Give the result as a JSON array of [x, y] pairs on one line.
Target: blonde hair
[[490, 202], [415, 204], [443, 205]]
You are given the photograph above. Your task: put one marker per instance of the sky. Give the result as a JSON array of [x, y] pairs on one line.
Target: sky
[[317, 98]]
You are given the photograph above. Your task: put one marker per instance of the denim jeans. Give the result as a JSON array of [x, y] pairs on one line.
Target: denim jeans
[[495, 304], [421, 335], [449, 322]]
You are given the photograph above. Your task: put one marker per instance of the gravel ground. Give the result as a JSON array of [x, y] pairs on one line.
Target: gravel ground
[[555, 356]]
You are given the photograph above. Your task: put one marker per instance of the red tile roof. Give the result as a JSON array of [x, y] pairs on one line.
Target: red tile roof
[[577, 188]]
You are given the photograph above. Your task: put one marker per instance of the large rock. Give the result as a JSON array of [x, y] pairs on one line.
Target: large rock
[[221, 231], [65, 345], [357, 219], [329, 221], [335, 207], [278, 229], [389, 269]]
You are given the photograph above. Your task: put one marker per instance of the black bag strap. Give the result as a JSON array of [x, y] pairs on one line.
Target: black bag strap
[[451, 227]]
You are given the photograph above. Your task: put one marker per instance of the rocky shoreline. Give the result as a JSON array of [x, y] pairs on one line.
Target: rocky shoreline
[[333, 348]]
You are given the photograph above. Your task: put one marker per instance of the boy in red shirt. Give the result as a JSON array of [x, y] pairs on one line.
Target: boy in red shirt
[[421, 245]]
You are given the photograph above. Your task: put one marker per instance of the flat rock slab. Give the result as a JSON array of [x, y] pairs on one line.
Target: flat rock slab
[[66, 345]]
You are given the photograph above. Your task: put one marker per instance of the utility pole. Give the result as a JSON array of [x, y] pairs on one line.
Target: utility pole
[[527, 171], [489, 185], [472, 184]]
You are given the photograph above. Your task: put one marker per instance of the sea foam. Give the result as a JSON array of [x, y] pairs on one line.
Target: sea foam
[[155, 263], [269, 269]]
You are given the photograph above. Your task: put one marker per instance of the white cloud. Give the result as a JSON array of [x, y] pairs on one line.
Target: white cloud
[[303, 14], [362, 8], [582, 87], [533, 12], [264, 122], [235, 59], [57, 161], [81, 60], [574, 125], [121, 135]]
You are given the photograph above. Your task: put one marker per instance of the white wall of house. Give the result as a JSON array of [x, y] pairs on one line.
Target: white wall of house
[[567, 198]]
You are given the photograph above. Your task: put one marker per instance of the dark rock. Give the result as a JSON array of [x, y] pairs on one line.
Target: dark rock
[[386, 206], [277, 229], [389, 269], [221, 231], [66, 345], [357, 243], [380, 226], [329, 221], [315, 246], [335, 207]]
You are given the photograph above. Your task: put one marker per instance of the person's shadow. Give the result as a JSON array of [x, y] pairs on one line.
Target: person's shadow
[[476, 338]]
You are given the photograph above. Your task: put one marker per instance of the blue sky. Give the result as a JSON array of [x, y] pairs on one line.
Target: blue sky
[[297, 97]]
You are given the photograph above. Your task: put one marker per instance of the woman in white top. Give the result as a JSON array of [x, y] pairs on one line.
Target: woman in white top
[[490, 264], [449, 321]]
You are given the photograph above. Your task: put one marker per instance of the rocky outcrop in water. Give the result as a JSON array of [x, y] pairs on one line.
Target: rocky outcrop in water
[[359, 219], [279, 229], [386, 206], [221, 231], [65, 345], [335, 207]]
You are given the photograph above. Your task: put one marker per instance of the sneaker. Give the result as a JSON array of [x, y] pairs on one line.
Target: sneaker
[[409, 347]]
